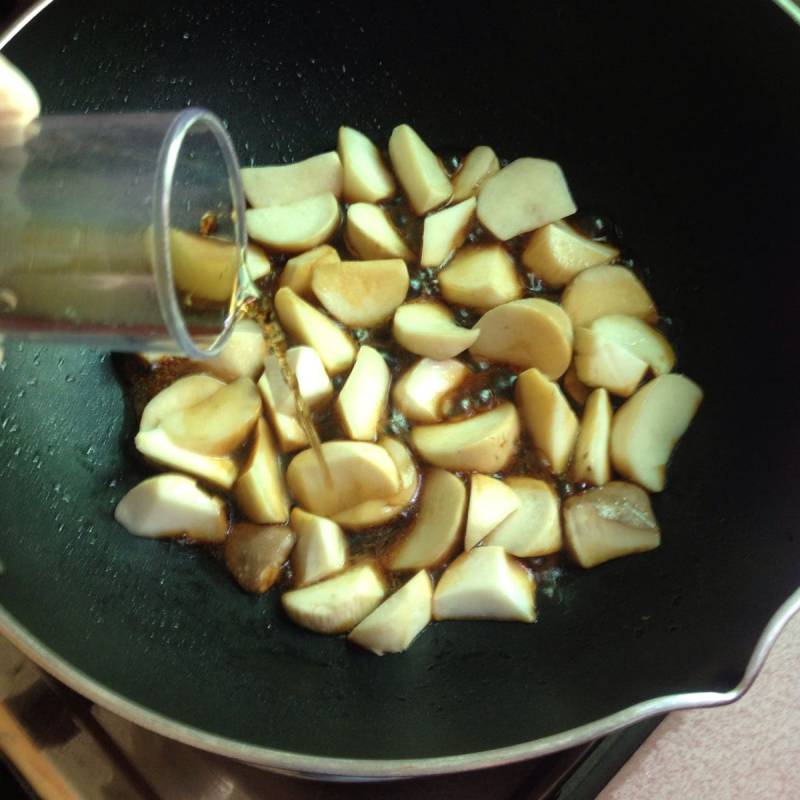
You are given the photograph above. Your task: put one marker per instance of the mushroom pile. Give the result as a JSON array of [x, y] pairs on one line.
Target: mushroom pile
[[488, 382]]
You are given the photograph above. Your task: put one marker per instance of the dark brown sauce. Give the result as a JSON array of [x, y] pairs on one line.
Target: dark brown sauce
[[486, 386]]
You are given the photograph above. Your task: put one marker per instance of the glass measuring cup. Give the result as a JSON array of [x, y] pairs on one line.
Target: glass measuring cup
[[123, 231]]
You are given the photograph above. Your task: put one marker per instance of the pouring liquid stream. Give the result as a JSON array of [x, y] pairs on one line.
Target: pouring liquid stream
[[258, 306]]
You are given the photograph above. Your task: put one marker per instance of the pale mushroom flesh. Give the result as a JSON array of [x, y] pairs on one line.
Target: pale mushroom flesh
[[459, 383]]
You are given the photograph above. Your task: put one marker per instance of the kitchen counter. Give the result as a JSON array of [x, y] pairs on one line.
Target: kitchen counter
[[750, 749]]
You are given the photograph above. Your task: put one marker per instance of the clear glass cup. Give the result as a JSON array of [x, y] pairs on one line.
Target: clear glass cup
[[123, 231]]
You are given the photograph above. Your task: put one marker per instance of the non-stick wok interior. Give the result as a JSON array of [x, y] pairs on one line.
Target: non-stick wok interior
[[680, 121]]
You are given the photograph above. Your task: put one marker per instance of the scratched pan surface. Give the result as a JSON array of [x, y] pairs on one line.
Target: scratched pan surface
[[682, 123]]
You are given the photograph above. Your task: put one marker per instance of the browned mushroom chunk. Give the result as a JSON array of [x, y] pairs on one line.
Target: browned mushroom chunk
[[255, 554], [608, 522]]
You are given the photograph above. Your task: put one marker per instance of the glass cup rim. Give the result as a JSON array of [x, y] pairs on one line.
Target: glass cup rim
[[168, 157]]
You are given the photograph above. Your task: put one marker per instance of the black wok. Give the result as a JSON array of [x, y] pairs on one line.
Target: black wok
[[681, 121]]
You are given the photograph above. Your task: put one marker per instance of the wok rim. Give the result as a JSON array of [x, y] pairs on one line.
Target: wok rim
[[342, 769], [332, 768]]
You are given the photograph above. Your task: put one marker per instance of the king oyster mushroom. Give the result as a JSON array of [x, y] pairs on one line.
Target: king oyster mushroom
[[362, 401], [490, 502], [526, 333], [298, 271], [428, 328], [485, 583], [608, 522], [255, 554], [601, 291], [260, 489], [556, 253], [321, 548], [370, 513], [528, 193], [339, 603], [436, 531], [366, 177], [171, 505], [420, 393], [282, 184], [481, 277], [549, 420], [646, 428], [483, 443], [419, 171], [534, 529], [310, 326], [371, 234], [591, 462], [315, 388], [399, 619], [479, 164], [356, 472], [444, 232], [297, 226], [361, 294], [217, 425]]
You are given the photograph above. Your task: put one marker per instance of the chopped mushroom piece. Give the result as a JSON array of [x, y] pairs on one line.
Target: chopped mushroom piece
[[217, 425], [260, 489], [399, 619], [315, 388], [528, 193], [420, 393], [19, 103], [490, 502], [419, 171], [436, 531], [295, 227], [578, 391], [202, 266], [526, 333], [534, 529], [603, 362], [429, 329], [556, 253], [363, 399], [156, 445], [444, 232], [371, 234], [321, 549], [172, 505], [257, 263], [608, 522], [481, 277], [359, 471], [549, 420], [361, 294], [337, 604], [591, 462], [646, 428], [378, 512], [185, 392], [644, 341], [297, 273], [281, 184], [600, 291], [310, 326], [480, 163], [243, 355], [485, 583], [483, 443], [366, 177], [255, 554]]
